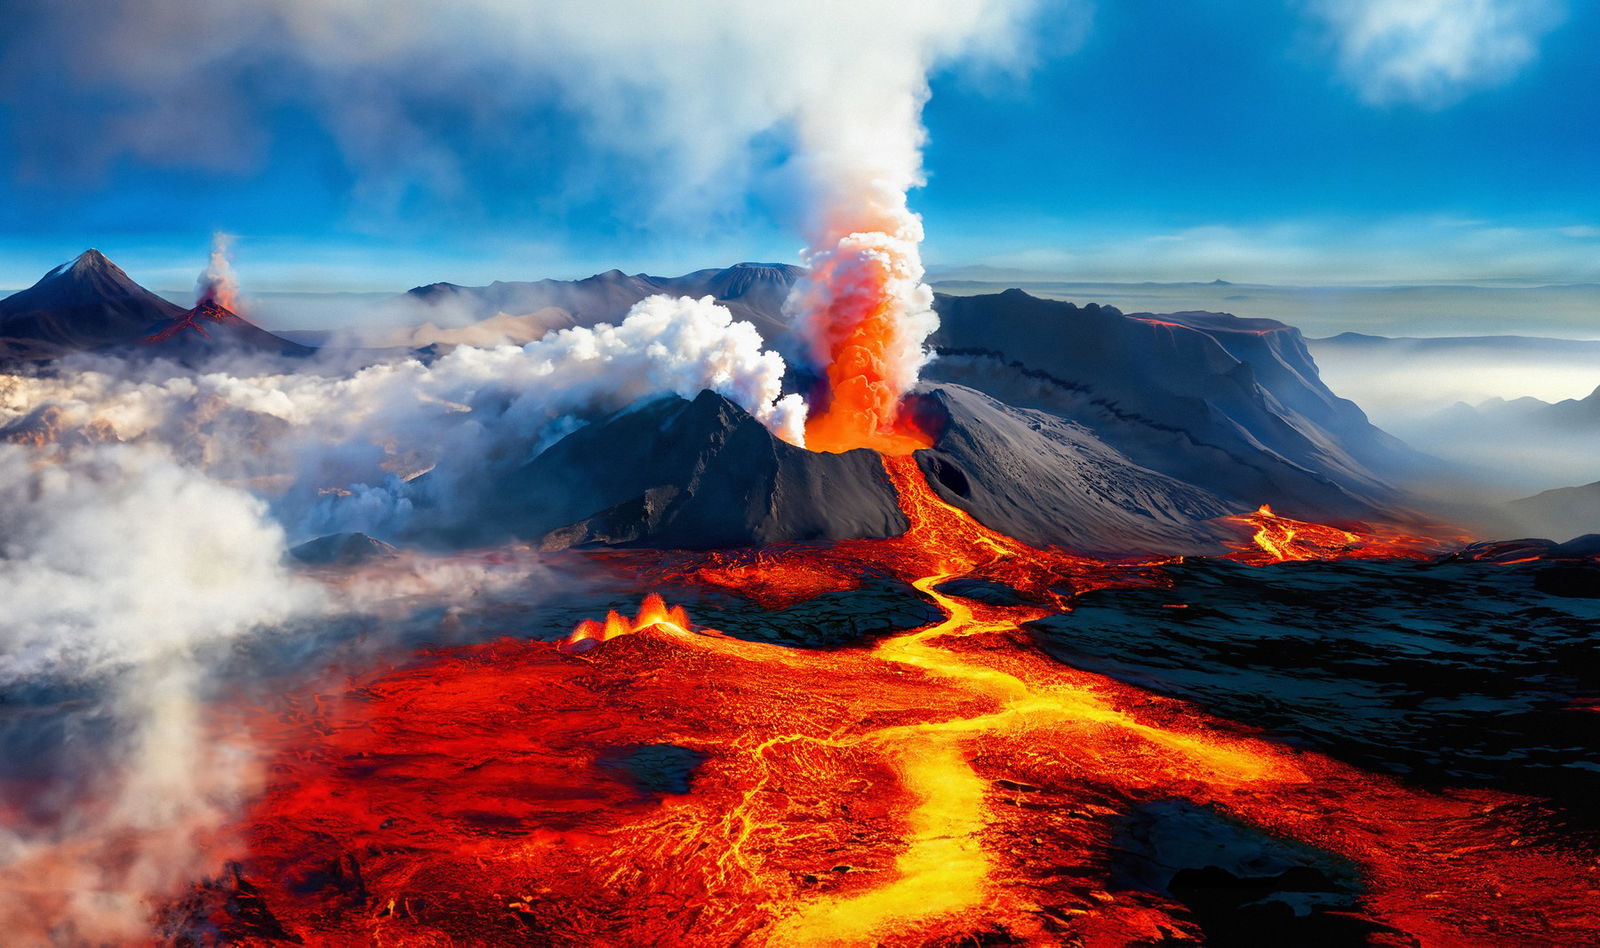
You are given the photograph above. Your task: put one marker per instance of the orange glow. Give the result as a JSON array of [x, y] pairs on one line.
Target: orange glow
[[938, 786], [860, 326], [653, 614], [1278, 539]]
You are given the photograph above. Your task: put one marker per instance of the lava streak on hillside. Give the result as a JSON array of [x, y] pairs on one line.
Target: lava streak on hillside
[[1278, 539], [648, 781]]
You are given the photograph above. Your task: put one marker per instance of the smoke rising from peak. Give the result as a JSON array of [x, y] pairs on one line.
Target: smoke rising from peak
[[217, 282], [823, 84], [341, 448]]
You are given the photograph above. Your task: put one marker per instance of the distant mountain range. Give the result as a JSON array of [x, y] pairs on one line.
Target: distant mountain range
[[90, 304], [1078, 426], [754, 292]]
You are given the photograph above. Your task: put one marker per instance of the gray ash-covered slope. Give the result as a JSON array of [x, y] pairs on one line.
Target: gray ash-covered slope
[[1051, 482], [1232, 406], [754, 292], [85, 304], [705, 474], [342, 549], [692, 475]]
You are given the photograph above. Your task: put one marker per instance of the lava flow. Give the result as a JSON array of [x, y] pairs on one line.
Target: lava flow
[[648, 782], [1278, 539]]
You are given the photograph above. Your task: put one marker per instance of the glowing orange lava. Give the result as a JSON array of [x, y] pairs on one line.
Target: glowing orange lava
[[946, 785], [653, 614], [1278, 539], [859, 320]]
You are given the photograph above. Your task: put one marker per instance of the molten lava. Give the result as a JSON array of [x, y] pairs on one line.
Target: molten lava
[[1277, 539], [947, 784], [653, 615], [865, 312], [208, 311]]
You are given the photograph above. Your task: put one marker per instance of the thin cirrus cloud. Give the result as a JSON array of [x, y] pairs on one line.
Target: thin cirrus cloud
[[1433, 52]]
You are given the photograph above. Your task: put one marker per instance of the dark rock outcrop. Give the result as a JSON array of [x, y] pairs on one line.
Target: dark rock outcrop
[[685, 474], [342, 549], [81, 305]]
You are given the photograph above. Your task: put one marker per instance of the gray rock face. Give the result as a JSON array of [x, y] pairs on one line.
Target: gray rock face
[[342, 549], [690, 475], [1234, 407], [1047, 481], [80, 305]]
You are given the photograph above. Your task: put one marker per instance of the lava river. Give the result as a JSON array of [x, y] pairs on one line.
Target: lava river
[[649, 781]]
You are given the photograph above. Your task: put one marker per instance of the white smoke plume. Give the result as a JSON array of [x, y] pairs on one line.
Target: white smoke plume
[[825, 110], [469, 413], [217, 281], [121, 572], [117, 556], [650, 80]]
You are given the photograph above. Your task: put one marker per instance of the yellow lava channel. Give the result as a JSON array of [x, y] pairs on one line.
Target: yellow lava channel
[[944, 869]]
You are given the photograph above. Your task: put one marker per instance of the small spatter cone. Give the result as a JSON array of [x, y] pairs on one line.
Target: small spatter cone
[[653, 614]]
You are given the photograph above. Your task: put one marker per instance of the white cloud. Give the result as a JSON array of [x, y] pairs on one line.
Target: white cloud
[[1433, 52]]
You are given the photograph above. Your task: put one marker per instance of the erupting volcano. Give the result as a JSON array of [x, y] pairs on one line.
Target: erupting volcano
[[792, 603], [214, 323], [867, 313], [649, 781]]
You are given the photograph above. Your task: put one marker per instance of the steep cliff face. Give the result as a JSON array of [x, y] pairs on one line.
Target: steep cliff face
[[1050, 482], [1231, 406]]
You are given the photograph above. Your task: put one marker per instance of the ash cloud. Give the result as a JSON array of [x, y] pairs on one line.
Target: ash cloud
[[192, 84]]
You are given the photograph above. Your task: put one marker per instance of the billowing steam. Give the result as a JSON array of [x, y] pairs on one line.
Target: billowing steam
[[122, 571], [823, 121], [338, 450], [216, 283]]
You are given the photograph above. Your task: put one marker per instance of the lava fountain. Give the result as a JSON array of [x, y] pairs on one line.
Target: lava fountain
[[866, 312]]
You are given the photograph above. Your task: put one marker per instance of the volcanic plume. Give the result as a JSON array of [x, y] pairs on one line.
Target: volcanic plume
[[214, 324], [865, 312], [216, 284]]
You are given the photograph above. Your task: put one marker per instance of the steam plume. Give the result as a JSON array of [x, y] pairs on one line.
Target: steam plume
[[217, 284]]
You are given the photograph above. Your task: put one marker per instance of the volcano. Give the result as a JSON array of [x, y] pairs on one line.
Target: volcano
[[212, 328], [84, 304], [692, 475]]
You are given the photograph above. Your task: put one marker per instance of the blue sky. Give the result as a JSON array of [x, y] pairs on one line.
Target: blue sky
[[1149, 140]]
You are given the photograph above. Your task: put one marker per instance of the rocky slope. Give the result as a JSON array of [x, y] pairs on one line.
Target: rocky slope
[[87, 303]]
